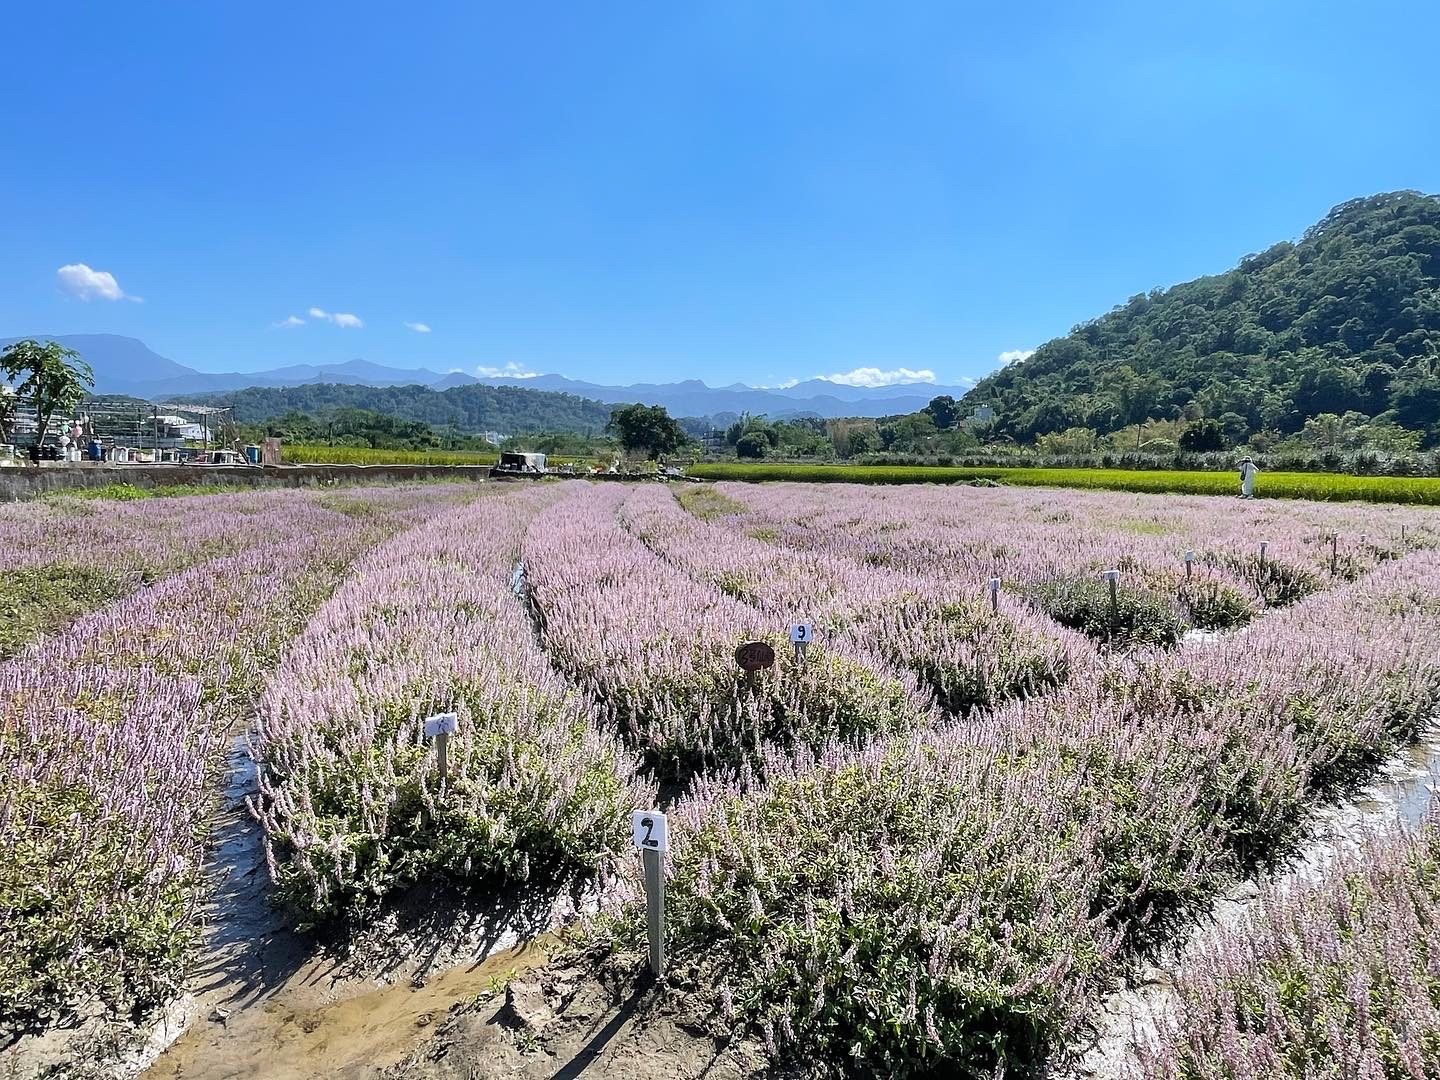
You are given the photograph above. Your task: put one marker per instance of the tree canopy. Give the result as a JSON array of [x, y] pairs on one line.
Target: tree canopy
[[51, 378], [471, 409], [1347, 320], [646, 429]]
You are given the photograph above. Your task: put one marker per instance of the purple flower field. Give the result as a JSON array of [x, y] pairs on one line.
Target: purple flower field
[[932, 846], [1337, 977], [111, 739]]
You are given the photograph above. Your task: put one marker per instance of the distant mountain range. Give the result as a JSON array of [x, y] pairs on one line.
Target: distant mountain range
[[127, 366]]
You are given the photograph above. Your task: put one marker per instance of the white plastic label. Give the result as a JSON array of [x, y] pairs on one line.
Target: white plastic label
[[801, 633], [1111, 575], [649, 830], [445, 723], [994, 584], [1189, 556]]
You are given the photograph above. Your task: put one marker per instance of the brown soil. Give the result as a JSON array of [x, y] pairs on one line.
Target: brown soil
[[516, 1014], [435, 990], [583, 1016]]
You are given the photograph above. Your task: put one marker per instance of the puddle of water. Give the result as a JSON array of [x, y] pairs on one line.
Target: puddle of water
[[1409, 785], [293, 1037]]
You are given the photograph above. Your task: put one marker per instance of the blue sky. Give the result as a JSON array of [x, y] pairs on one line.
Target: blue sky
[[623, 192]]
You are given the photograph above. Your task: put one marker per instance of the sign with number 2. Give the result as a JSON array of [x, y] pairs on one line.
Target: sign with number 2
[[649, 830]]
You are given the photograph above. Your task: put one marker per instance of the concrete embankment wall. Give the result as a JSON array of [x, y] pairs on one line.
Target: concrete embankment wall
[[27, 481]]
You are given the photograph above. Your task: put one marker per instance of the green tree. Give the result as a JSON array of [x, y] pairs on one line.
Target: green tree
[[1234, 427], [647, 428], [1416, 397], [51, 377], [751, 445], [7, 411], [861, 442], [1203, 435], [944, 410], [1075, 440]]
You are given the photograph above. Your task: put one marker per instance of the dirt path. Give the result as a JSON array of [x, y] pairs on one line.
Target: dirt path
[[269, 1004]]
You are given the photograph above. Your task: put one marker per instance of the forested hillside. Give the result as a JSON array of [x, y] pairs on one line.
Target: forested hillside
[[1347, 320], [506, 409]]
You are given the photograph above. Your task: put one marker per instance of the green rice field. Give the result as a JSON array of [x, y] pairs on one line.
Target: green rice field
[[363, 455], [1327, 487]]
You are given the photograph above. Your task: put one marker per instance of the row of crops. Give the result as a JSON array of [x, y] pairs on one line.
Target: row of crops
[[936, 843], [112, 726]]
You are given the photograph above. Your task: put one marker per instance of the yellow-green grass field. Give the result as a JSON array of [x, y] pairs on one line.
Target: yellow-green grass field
[[1329, 487]]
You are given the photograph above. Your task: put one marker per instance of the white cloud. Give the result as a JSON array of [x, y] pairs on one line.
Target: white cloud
[[869, 376], [339, 318], [289, 321], [418, 327], [1011, 356], [80, 281], [512, 370]]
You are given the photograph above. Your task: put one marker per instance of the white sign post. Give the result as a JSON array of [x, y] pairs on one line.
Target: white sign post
[[1113, 577], [440, 727], [801, 634], [651, 835], [1189, 564], [995, 595]]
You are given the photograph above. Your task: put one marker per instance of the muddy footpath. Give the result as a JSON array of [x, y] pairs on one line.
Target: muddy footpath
[[436, 990]]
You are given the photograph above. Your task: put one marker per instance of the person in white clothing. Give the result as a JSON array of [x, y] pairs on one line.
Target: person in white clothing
[[1248, 471]]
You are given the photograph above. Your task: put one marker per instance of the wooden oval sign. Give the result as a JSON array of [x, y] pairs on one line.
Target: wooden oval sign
[[754, 655]]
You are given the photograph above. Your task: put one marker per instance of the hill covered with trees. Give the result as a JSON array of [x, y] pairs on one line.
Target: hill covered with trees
[[467, 409], [1342, 327]]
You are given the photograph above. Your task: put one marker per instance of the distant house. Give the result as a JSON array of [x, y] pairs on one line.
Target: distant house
[[177, 427], [517, 462], [981, 414]]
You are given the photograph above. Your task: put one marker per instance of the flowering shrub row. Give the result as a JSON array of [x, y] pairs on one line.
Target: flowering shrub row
[[109, 741], [968, 655], [351, 799], [61, 558], [958, 900], [655, 648], [1338, 977], [1024, 536]]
